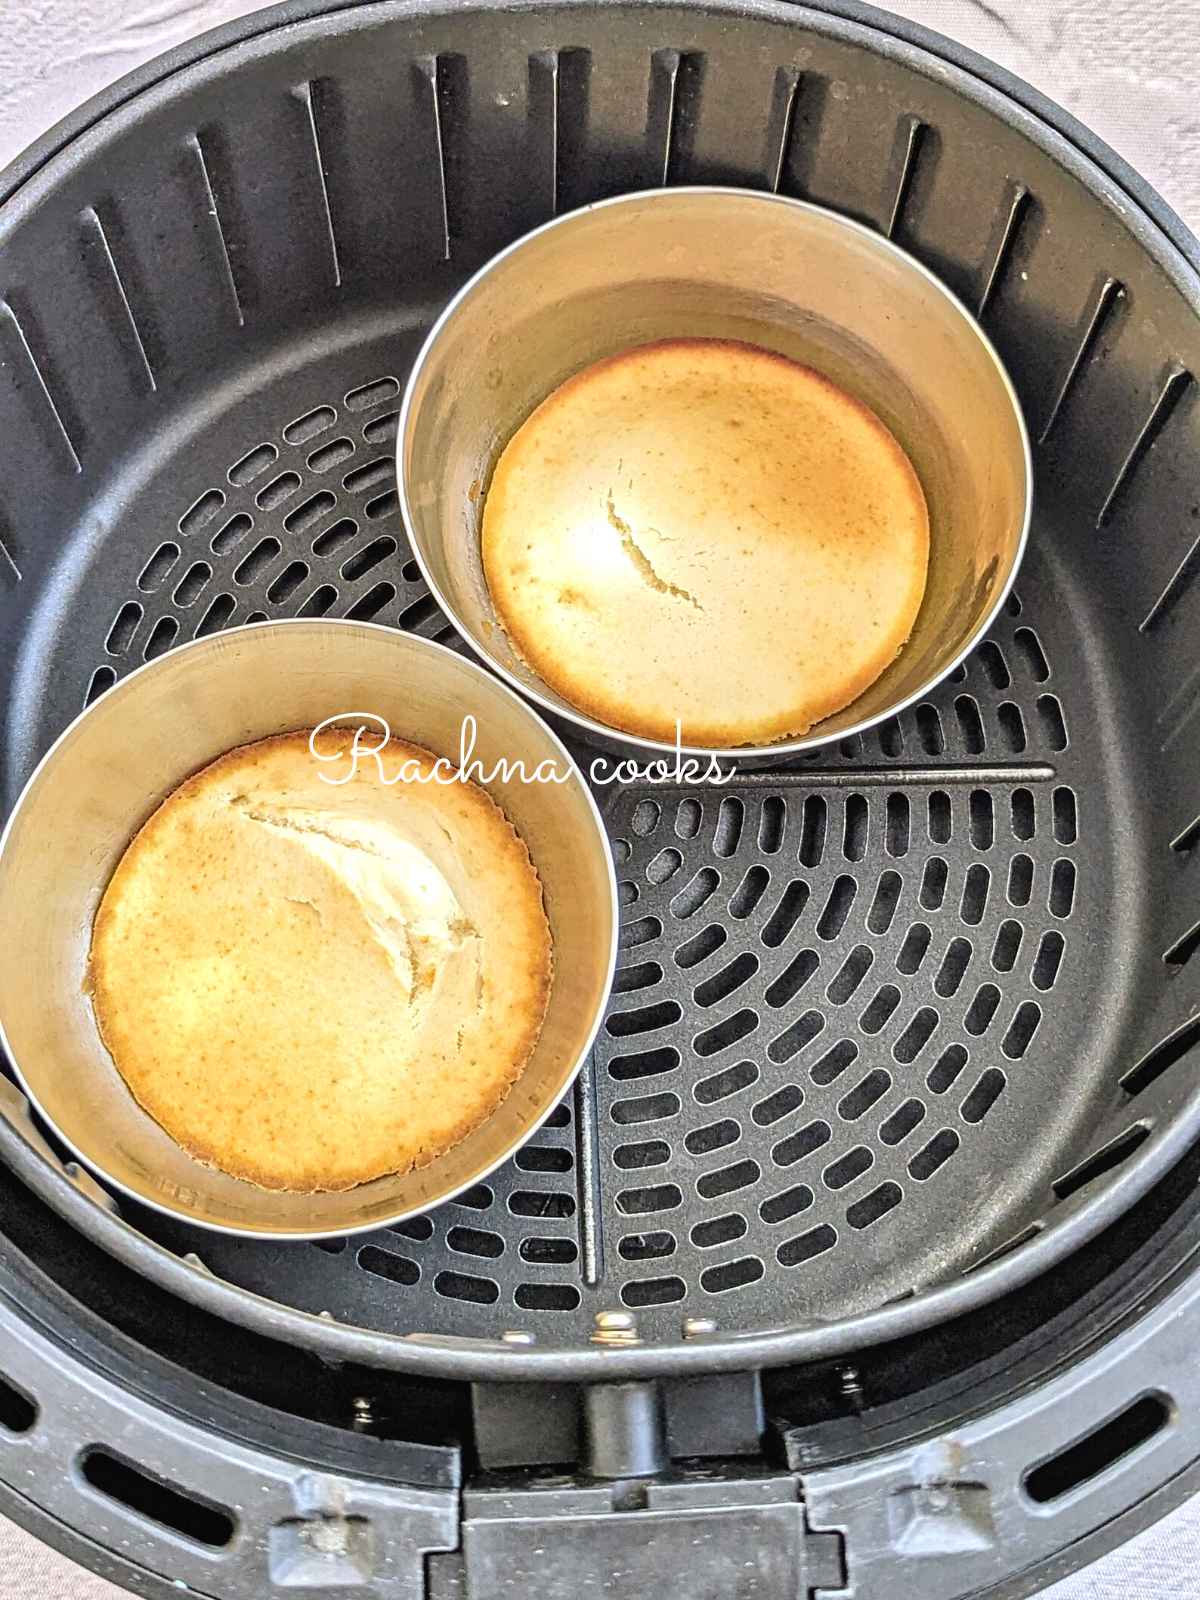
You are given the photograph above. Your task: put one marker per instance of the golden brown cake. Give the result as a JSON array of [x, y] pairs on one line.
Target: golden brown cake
[[310, 985], [704, 530]]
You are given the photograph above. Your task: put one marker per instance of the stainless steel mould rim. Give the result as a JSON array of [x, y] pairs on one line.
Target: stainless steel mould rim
[[590, 727], [294, 628]]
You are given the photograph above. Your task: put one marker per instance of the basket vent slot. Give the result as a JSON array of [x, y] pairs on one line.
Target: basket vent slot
[[1099, 1450], [158, 1501], [18, 1413]]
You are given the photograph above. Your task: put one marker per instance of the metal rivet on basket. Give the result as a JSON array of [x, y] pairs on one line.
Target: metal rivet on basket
[[696, 1327], [615, 1327], [518, 1336]]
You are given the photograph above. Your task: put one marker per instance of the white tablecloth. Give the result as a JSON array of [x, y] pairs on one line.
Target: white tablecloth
[[1132, 73]]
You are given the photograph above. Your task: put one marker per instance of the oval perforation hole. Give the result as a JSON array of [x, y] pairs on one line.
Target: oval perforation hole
[[916, 1035], [778, 1105], [201, 513], [1064, 814], [103, 678], [694, 893], [645, 1108], [252, 566], [806, 1246], [156, 571], [1048, 961], [1024, 819], [970, 724], [1050, 715], [929, 730], [689, 815], [645, 819], [792, 979], [982, 1009], [848, 1169], [865, 1094], [162, 637], [288, 581], [331, 455], [883, 1198], [749, 892], [727, 981], [896, 1127], [933, 1155], [168, 1505], [533, 1203], [231, 535], [321, 600], [653, 1292], [642, 1154], [1007, 946], [383, 1264], [834, 1062], [781, 1207], [371, 475], [891, 737], [700, 946], [728, 1180], [646, 1246], [854, 829], [419, 1228], [721, 1230], [913, 951], [953, 968], [795, 1037], [837, 909], [547, 1297], [663, 867], [477, 1198], [309, 513], [897, 825], [731, 815], [1062, 888], [648, 1199], [475, 1242], [729, 1081], [1020, 880], [372, 603], [310, 425], [786, 914], [1021, 1030], [731, 1275], [850, 975], [546, 1252], [804, 1142], [369, 395], [221, 608], [382, 429], [1012, 728], [941, 817], [713, 1136], [467, 1286], [252, 465], [273, 494], [771, 821], [334, 537], [628, 980], [933, 883], [125, 626], [983, 1096], [729, 1031], [981, 819], [976, 885], [880, 1009], [813, 822], [1033, 658], [883, 907], [543, 1158], [991, 659], [642, 931], [946, 1068]]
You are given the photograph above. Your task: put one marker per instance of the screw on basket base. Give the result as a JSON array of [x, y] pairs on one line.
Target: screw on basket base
[[697, 1327], [615, 1328], [364, 1417]]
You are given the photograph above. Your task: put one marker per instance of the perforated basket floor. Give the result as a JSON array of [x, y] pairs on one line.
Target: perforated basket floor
[[918, 1000]]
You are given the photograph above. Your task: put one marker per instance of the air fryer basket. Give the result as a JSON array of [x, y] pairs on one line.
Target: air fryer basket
[[894, 1030]]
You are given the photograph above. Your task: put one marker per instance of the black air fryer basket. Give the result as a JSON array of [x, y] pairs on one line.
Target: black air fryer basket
[[858, 1260]]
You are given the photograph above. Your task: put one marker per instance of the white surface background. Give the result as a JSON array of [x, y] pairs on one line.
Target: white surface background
[[1132, 73]]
